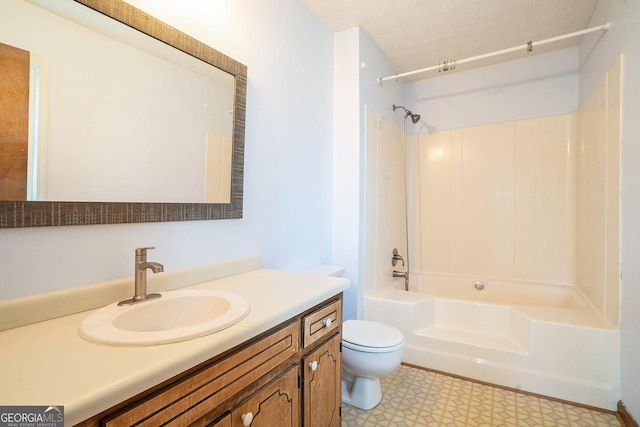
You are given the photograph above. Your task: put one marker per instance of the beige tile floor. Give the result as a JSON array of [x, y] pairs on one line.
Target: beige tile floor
[[416, 397]]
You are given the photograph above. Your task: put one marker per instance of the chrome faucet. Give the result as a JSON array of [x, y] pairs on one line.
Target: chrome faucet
[[405, 275], [395, 257], [140, 285]]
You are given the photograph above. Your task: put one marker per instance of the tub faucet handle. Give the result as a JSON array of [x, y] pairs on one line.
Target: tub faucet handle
[[395, 257]]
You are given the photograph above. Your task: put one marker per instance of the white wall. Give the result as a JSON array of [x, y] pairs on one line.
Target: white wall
[[597, 55], [346, 165], [540, 85], [358, 64], [288, 161], [630, 321]]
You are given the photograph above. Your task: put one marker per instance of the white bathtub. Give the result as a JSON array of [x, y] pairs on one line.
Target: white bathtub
[[540, 338]]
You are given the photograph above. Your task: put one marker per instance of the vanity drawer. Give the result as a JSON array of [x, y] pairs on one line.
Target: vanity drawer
[[189, 398], [322, 322]]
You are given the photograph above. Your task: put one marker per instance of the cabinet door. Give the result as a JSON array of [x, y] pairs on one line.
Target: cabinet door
[[224, 421], [275, 404], [322, 390]]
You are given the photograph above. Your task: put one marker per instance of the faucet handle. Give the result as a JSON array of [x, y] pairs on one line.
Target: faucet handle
[[396, 257], [142, 252]]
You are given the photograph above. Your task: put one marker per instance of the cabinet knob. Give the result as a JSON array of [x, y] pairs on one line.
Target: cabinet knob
[[313, 365], [247, 419], [327, 322]]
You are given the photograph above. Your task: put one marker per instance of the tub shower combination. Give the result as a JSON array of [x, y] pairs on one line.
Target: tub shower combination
[[538, 337]]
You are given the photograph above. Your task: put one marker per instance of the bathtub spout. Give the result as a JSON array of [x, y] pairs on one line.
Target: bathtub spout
[[401, 274], [406, 277]]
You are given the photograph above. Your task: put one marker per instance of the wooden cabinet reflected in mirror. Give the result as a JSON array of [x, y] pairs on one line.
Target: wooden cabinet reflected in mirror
[[98, 169], [14, 122]]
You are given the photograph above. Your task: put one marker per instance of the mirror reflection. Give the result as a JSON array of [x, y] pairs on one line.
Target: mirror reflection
[[116, 116]]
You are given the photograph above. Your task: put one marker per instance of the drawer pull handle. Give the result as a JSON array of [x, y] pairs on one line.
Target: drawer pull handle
[[247, 419], [327, 322], [313, 365]]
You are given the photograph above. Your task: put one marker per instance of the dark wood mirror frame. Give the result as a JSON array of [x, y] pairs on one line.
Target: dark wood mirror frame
[[16, 214]]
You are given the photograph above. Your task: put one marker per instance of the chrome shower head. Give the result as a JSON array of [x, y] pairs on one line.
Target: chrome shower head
[[415, 118]]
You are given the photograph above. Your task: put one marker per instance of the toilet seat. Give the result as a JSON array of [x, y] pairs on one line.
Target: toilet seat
[[371, 337]]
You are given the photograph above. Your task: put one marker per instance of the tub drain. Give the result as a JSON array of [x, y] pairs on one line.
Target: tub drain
[[479, 285]]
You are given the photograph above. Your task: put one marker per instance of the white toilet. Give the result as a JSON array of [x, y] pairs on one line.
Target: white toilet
[[370, 350]]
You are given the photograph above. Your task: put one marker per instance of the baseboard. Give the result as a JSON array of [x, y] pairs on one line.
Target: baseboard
[[625, 416]]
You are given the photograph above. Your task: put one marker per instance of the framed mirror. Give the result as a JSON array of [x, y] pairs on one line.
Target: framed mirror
[[193, 167]]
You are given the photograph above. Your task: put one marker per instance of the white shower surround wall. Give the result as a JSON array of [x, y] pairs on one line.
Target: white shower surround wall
[[548, 320]]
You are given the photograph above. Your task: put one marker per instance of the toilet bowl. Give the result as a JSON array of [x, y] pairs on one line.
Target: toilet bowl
[[370, 350]]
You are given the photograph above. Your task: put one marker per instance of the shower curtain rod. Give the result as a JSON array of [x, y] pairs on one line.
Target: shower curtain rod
[[447, 65]]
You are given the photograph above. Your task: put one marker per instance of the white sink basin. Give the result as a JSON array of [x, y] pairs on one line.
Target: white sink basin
[[176, 316]]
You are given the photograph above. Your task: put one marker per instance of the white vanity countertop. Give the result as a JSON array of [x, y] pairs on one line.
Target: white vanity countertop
[[48, 363]]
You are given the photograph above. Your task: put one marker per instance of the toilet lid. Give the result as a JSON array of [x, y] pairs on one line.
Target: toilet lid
[[371, 336]]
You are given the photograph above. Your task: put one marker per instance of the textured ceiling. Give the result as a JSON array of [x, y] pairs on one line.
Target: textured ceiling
[[415, 34]]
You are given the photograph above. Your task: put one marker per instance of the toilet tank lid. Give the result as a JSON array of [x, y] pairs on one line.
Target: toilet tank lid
[[325, 270], [366, 333]]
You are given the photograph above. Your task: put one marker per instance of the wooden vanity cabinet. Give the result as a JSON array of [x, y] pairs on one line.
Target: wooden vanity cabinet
[[287, 376], [322, 366], [322, 386]]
